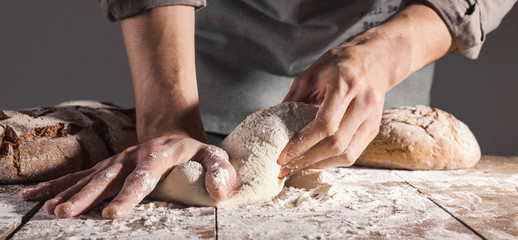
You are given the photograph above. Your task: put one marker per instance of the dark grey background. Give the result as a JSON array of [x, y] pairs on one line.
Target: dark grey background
[[53, 51]]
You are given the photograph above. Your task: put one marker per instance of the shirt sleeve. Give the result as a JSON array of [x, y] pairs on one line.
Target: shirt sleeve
[[116, 10], [469, 20]]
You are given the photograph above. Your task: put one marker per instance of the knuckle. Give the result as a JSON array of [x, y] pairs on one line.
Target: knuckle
[[328, 125], [151, 148], [351, 77], [347, 158], [373, 98], [108, 173], [352, 80], [337, 145], [330, 129]]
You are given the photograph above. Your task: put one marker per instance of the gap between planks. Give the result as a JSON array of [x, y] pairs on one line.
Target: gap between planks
[[25, 219], [441, 207]]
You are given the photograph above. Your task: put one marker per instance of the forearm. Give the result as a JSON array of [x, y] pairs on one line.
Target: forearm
[[406, 42], [160, 48], [426, 34]]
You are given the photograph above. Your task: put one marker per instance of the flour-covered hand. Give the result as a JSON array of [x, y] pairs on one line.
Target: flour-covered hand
[[130, 176]]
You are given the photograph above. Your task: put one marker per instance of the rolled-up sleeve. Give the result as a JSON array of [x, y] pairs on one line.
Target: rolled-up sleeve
[[116, 10], [469, 21]]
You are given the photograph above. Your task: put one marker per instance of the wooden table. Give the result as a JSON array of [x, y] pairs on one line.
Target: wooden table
[[375, 204]]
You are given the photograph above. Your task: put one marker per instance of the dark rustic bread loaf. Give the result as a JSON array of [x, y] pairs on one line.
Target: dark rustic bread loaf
[[48, 142]]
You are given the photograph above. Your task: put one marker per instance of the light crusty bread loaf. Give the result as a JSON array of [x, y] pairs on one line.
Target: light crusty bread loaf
[[421, 137], [44, 143]]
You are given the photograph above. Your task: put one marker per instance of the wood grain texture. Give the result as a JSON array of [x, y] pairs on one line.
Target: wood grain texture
[[13, 211], [155, 220], [364, 204], [484, 198]]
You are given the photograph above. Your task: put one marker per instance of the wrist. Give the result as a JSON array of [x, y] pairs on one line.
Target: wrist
[[379, 57], [186, 123], [406, 42]]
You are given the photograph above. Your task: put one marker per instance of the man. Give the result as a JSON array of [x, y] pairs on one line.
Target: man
[[247, 54]]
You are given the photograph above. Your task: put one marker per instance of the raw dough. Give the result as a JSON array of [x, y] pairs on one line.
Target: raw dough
[[410, 137], [253, 148], [307, 179]]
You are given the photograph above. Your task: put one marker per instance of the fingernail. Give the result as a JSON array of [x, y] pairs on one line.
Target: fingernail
[[285, 171], [286, 158], [63, 210], [27, 193], [50, 205], [23, 194], [112, 212]]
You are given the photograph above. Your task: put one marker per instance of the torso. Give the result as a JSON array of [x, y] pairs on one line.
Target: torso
[[248, 52]]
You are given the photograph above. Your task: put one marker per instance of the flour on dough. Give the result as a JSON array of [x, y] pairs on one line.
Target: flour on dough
[[253, 148], [308, 179]]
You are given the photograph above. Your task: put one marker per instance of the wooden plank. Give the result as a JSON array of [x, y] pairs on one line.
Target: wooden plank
[[150, 220], [13, 211], [484, 198], [356, 203]]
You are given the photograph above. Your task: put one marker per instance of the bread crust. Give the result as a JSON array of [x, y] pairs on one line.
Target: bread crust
[[48, 142], [421, 138], [44, 143]]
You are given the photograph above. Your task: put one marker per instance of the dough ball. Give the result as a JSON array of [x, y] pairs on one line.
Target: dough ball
[[253, 148]]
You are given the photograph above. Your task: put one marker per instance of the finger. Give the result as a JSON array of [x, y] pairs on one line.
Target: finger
[[220, 175], [325, 124], [101, 186], [356, 146], [50, 205], [137, 185], [330, 146], [49, 189]]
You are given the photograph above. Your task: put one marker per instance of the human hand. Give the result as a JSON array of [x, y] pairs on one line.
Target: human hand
[[350, 90], [349, 82], [131, 175]]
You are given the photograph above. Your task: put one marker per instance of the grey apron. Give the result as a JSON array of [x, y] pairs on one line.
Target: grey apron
[[249, 51]]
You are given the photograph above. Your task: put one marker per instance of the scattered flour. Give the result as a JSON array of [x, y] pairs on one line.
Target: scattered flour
[[342, 203], [153, 154], [149, 220]]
